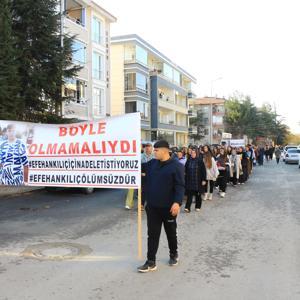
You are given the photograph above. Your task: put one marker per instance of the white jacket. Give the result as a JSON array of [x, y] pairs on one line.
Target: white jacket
[[213, 172]]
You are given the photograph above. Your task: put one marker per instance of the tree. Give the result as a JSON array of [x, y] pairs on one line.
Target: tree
[[9, 81], [242, 117], [43, 62]]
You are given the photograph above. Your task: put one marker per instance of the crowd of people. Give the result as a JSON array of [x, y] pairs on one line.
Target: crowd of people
[[170, 175], [207, 168]]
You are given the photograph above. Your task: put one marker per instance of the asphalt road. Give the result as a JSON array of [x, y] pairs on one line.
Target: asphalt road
[[66, 245]]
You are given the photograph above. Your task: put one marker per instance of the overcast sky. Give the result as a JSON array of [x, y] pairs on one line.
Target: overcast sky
[[253, 45]]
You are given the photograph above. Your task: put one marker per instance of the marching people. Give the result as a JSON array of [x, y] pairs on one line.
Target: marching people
[[195, 180], [146, 155], [277, 154], [182, 159], [222, 162], [235, 167], [261, 154], [267, 153], [164, 193], [211, 173], [245, 165]]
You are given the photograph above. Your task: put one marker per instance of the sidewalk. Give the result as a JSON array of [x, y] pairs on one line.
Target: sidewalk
[[7, 191]]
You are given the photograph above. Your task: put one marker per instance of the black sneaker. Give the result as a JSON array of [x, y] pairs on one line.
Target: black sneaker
[[173, 261], [148, 266]]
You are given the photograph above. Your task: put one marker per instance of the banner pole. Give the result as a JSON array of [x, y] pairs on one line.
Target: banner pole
[[140, 250]]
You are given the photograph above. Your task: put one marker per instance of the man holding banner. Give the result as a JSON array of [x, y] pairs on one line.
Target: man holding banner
[[164, 193]]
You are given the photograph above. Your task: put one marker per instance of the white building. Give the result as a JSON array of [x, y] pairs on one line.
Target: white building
[[90, 90]]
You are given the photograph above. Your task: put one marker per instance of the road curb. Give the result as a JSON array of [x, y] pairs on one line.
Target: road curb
[[11, 191]]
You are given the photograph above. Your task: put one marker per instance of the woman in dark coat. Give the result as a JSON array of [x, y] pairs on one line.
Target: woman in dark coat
[[245, 160], [195, 179]]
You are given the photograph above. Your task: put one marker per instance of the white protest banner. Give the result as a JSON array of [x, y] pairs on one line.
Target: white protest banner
[[104, 153], [237, 143]]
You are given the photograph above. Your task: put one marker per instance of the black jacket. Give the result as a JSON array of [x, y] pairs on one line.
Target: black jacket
[[164, 182], [195, 176]]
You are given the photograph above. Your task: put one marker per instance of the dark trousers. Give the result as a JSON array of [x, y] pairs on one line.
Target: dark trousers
[[233, 179], [189, 200], [211, 186], [277, 160], [222, 180], [156, 217], [244, 177]]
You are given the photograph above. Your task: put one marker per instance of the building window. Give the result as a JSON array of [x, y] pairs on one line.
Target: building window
[[143, 108], [166, 135], [74, 89], [130, 107], [176, 77], [136, 81], [130, 82], [96, 31], [129, 53], [98, 101], [141, 82], [78, 49], [141, 55], [138, 106], [98, 66], [168, 71]]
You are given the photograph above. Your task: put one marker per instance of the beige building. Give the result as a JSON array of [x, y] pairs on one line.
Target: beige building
[[144, 80], [89, 92], [206, 120]]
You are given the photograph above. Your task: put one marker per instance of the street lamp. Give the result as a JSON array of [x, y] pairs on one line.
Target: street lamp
[[211, 110]]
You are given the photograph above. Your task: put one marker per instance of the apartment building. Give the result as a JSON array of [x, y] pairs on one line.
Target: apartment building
[[144, 80], [88, 93], [206, 120]]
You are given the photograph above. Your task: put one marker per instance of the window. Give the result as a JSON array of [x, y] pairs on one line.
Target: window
[[130, 82], [96, 31], [141, 55], [141, 82], [143, 108], [168, 71], [176, 77], [97, 66], [136, 81], [78, 52], [166, 135], [130, 107], [98, 101], [129, 53], [74, 89], [138, 106]]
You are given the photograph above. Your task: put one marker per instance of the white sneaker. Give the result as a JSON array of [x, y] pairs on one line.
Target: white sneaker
[[209, 196], [222, 195], [198, 209], [204, 197], [127, 207]]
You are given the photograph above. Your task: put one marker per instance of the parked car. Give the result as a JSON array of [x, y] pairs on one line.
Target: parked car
[[292, 156], [286, 148], [86, 191]]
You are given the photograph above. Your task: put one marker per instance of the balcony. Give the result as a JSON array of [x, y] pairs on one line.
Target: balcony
[[75, 12], [72, 109]]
